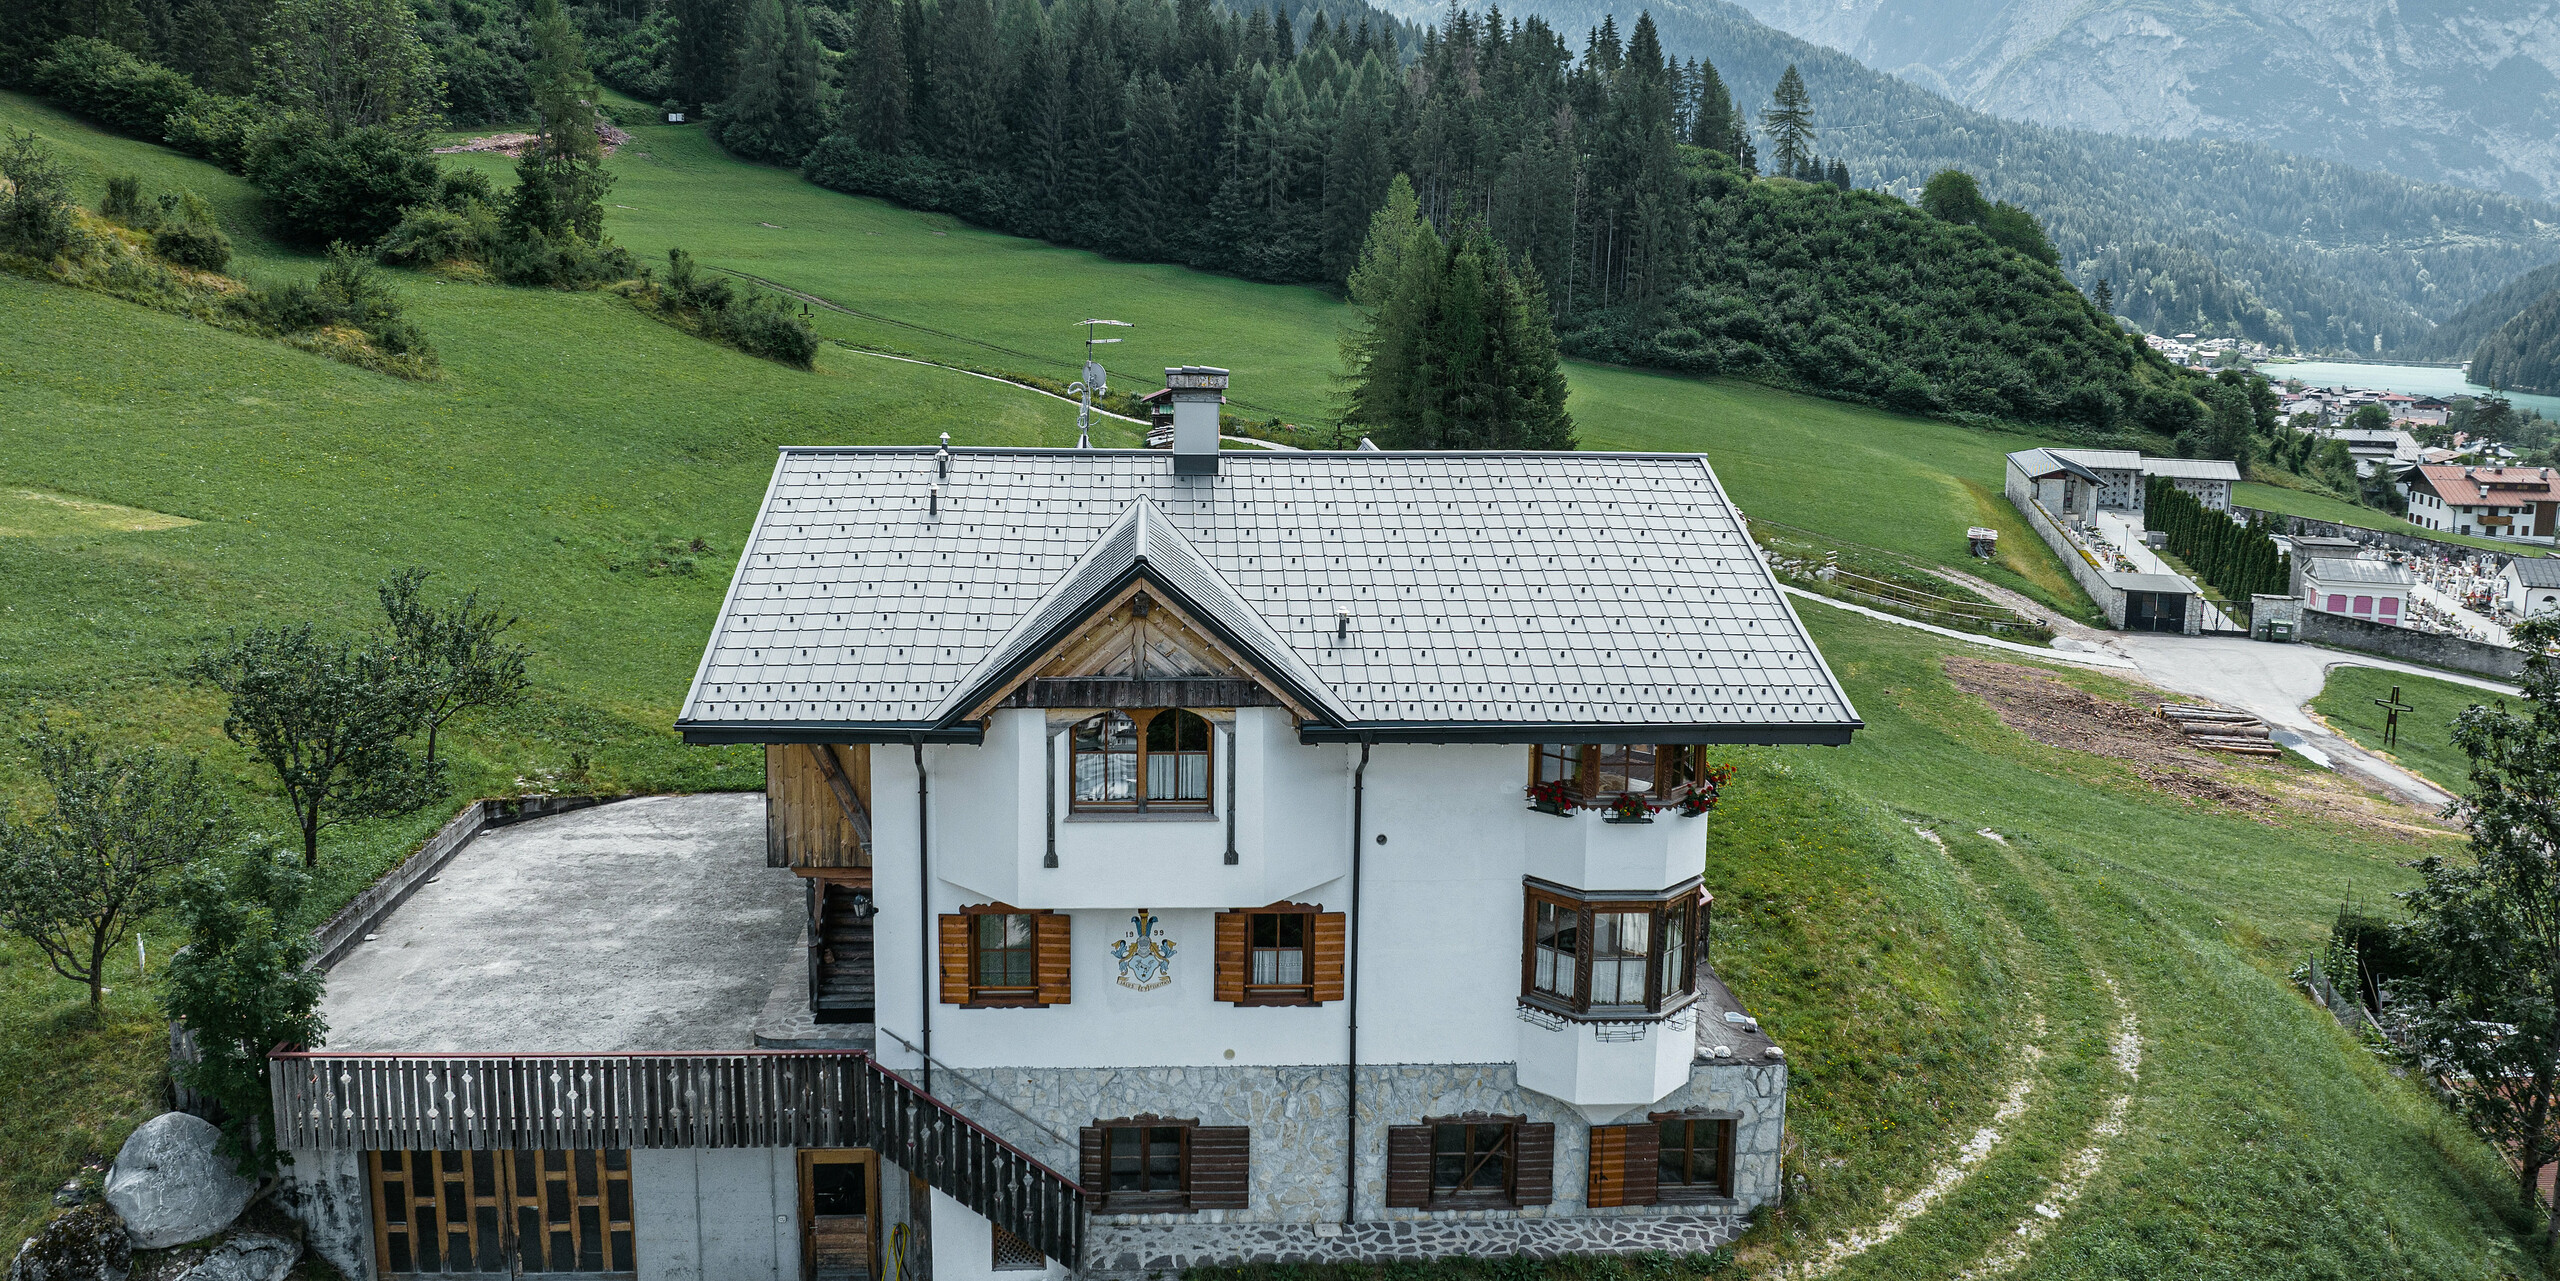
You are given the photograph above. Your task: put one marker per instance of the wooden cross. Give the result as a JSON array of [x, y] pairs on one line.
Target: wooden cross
[[2391, 722]]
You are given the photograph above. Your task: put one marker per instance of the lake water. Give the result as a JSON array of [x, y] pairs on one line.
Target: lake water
[[2414, 380]]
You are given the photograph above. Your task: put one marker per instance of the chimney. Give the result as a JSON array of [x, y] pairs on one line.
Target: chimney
[[1197, 390]]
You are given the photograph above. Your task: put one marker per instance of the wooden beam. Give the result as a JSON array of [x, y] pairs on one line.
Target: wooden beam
[[843, 788]]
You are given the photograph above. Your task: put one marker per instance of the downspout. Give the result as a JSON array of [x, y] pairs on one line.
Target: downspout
[[924, 921], [1351, 969]]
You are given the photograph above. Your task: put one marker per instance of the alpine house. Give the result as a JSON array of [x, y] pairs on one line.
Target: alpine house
[[1247, 855]]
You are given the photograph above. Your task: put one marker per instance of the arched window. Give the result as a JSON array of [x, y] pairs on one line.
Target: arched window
[[1147, 760]]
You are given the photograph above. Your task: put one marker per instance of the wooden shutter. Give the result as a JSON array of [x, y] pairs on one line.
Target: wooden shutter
[[1533, 1163], [1221, 1167], [1330, 928], [955, 960], [1625, 1161], [1409, 1165], [1230, 956], [1049, 933], [1089, 1159]]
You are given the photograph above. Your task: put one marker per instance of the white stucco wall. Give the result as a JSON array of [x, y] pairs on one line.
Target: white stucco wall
[[964, 1248], [1438, 948]]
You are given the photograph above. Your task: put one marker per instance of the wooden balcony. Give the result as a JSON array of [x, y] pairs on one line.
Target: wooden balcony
[[758, 1099]]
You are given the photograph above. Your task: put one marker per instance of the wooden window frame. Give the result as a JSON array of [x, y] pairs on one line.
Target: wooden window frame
[[1142, 718], [1175, 1202], [1685, 762], [1283, 993], [1507, 1197], [984, 996], [1688, 898], [1669, 1193]]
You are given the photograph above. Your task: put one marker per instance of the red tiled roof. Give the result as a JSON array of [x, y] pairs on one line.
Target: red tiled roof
[[2491, 486]]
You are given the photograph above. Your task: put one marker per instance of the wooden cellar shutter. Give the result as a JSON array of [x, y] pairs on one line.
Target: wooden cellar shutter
[[1409, 1165], [1533, 1151], [1089, 1159], [1221, 1167], [1328, 956], [1624, 1160], [1050, 937], [955, 960], [1231, 962]]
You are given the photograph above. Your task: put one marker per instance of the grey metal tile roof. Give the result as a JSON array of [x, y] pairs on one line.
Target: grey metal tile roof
[[2045, 462], [2341, 573], [2537, 571], [1488, 592], [2102, 459], [2191, 468]]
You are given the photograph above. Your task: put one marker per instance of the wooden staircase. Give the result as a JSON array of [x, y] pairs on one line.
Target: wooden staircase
[[840, 981]]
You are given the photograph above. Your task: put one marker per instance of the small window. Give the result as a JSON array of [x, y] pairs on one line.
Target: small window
[[1559, 763], [1138, 761], [1144, 1159], [1003, 955], [1277, 965], [1559, 945], [1625, 770], [1471, 1161], [1696, 1158]]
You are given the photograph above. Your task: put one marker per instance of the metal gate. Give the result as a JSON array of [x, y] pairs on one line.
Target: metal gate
[[505, 1213], [2155, 611]]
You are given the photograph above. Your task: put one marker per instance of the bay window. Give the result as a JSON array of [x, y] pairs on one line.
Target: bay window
[[1607, 955], [1596, 773]]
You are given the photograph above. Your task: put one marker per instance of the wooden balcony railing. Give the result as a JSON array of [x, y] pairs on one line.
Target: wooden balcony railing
[[763, 1098]]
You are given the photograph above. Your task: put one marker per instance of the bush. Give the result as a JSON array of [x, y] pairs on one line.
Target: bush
[[755, 322], [351, 188], [521, 257], [216, 127], [192, 244], [433, 235], [36, 214], [113, 87]]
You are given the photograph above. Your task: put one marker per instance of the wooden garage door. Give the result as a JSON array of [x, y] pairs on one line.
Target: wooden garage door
[[522, 1213]]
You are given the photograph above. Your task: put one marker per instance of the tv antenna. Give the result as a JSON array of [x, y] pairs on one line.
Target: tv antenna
[[1093, 380]]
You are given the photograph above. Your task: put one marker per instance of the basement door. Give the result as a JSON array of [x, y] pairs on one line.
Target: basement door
[[839, 1203], [514, 1214]]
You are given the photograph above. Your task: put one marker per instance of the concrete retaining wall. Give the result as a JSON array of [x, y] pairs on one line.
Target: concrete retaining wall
[[2109, 600], [2322, 627], [2307, 527]]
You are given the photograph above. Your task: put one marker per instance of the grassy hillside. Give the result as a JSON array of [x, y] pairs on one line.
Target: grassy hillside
[[2426, 742], [575, 451], [2294, 502]]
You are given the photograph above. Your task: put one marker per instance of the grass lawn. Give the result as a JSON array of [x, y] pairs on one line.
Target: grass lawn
[[2426, 741], [575, 451]]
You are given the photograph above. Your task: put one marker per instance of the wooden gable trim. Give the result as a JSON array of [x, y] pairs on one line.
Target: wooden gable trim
[[1074, 648]]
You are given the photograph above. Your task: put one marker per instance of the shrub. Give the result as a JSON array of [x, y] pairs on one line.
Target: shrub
[[123, 202], [113, 87], [216, 127], [36, 214], [192, 244], [351, 188], [522, 257], [433, 235], [755, 322]]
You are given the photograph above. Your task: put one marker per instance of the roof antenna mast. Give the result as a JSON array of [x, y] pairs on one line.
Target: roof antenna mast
[[1093, 380]]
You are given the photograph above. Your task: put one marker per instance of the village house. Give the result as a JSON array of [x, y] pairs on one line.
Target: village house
[[2390, 449], [1282, 855], [2487, 502], [2531, 585]]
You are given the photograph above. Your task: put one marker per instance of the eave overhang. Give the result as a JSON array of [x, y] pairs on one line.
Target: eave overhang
[[1833, 735]]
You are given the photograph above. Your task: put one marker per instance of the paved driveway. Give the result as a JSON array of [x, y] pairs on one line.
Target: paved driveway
[[2274, 682]]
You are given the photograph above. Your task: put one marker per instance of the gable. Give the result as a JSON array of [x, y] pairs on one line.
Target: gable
[[1139, 649]]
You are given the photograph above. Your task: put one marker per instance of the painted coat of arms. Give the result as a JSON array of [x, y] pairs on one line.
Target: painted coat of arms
[[1145, 954]]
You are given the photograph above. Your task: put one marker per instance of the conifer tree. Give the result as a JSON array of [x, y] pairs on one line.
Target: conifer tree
[[1711, 120], [876, 73], [700, 61], [1788, 121], [560, 178], [1460, 353], [2106, 296], [775, 112]]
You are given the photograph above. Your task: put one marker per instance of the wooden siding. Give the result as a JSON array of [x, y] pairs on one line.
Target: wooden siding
[[751, 1099], [817, 808], [1114, 691]]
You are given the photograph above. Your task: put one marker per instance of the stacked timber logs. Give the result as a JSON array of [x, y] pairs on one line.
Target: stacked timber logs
[[2214, 729]]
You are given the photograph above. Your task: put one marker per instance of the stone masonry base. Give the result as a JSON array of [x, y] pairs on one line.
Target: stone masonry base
[[1131, 1252]]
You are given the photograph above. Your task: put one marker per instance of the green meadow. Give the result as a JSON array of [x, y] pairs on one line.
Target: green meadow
[[2349, 702], [593, 471]]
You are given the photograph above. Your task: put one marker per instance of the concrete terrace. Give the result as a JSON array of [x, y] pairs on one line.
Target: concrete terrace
[[649, 924]]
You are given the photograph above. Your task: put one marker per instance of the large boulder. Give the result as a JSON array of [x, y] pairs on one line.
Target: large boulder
[[88, 1244], [248, 1256], [171, 1186]]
